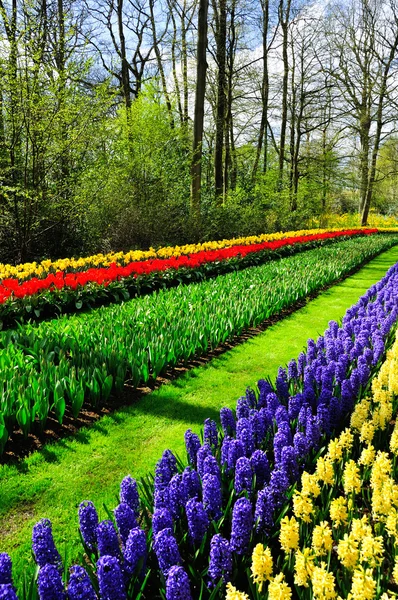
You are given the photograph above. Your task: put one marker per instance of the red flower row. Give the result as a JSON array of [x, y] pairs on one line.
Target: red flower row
[[104, 276]]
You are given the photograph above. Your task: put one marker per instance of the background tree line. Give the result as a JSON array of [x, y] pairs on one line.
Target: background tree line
[[130, 123]]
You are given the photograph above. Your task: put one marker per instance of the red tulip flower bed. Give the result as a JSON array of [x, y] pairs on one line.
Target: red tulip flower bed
[[63, 289]]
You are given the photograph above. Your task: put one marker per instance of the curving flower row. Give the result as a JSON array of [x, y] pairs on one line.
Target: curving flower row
[[13, 288], [26, 271], [192, 528]]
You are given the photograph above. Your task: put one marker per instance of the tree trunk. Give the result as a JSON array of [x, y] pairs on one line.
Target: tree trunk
[[284, 20], [201, 68], [221, 43], [262, 141]]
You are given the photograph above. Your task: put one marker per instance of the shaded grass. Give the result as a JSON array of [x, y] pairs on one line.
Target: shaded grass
[[51, 483]]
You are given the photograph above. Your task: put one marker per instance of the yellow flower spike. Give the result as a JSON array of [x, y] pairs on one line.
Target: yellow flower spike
[[394, 440], [279, 589], [360, 528], [289, 534], [351, 478], [368, 430], [368, 456], [233, 594], [303, 566], [346, 439], [262, 565], [322, 540], [323, 584], [303, 507], [372, 551], [348, 551], [324, 471], [395, 571], [335, 451], [392, 524], [309, 484], [363, 584], [338, 511]]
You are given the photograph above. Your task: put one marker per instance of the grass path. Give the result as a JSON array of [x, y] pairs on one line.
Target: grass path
[[51, 483]]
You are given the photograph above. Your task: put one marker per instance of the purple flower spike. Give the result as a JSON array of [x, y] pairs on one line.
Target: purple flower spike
[[228, 422], [166, 550], [161, 519], [110, 579], [260, 466], [43, 545], [88, 520], [108, 543], [7, 592], [177, 495], [192, 443], [212, 498], [129, 494], [264, 512], [80, 586], [198, 520], [49, 583], [220, 560], [211, 467], [210, 433], [203, 452], [191, 482], [166, 467], [177, 585], [243, 475], [242, 525], [125, 520], [135, 551], [5, 568]]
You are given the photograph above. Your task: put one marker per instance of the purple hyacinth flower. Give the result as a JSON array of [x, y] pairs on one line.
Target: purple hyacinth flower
[[243, 408], [43, 545], [258, 425], [264, 388], [251, 397], [227, 419], [125, 520], [242, 525], [212, 498], [210, 433], [301, 363], [88, 521], [7, 592], [220, 564], [108, 543], [166, 550], [135, 551], [191, 483], [300, 444], [260, 466], [235, 451], [129, 494], [49, 583], [292, 370], [177, 585], [211, 467], [247, 441], [289, 463], [281, 384], [264, 512], [243, 475], [177, 495], [192, 444], [5, 568], [162, 519], [80, 586], [279, 483], [110, 579], [166, 467], [203, 452], [198, 520]]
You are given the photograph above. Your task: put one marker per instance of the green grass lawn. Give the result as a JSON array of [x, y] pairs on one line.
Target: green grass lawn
[[51, 483]]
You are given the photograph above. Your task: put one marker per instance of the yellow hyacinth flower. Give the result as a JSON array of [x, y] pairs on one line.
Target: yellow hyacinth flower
[[351, 478], [338, 511], [322, 540], [279, 589], [363, 584], [323, 584], [233, 594], [303, 566], [289, 534], [262, 565]]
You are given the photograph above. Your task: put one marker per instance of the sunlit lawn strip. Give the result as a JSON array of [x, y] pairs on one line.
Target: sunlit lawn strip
[[193, 527], [68, 290], [86, 358]]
